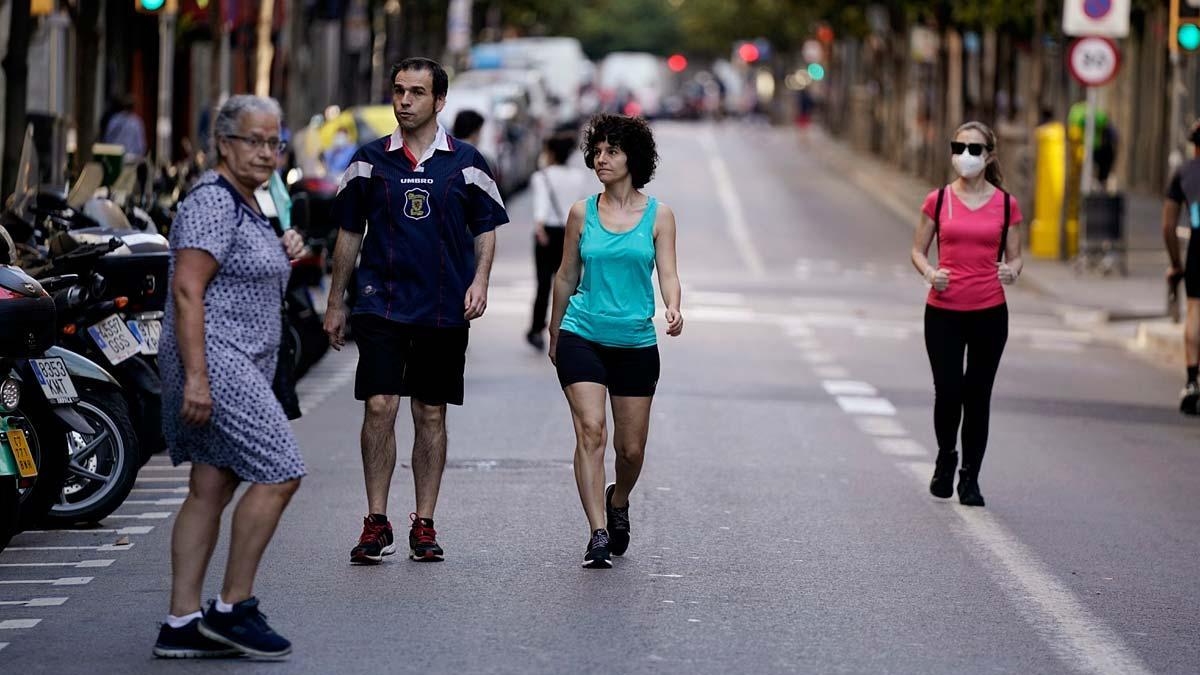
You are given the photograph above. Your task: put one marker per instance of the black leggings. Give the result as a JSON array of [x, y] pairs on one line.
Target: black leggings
[[547, 259], [960, 395]]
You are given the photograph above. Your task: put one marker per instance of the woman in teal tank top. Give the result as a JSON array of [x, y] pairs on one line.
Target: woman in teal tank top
[[602, 337]]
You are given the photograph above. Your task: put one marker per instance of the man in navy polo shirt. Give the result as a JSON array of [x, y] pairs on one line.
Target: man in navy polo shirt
[[423, 208]]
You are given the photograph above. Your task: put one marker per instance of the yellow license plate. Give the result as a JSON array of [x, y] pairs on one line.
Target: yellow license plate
[[20, 447]]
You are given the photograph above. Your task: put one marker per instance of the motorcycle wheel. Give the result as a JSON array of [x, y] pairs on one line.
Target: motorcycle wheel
[[48, 445], [103, 466], [8, 509]]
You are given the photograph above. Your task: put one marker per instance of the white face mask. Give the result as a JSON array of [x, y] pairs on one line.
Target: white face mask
[[968, 165]]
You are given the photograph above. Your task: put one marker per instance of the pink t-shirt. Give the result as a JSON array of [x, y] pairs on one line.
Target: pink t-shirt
[[967, 246]]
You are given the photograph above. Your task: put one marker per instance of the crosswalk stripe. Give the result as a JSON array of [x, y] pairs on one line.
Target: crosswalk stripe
[[34, 602], [866, 405], [77, 564], [14, 624], [62, 581]]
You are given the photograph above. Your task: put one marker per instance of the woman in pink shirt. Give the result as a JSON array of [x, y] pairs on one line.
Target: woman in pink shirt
[[965, 313]]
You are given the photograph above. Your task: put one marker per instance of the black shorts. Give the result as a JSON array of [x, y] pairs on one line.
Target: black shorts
[[626, 371], [406, 360], [1191, 270]]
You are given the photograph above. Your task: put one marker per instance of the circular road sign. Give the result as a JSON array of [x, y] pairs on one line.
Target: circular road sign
[[1094, 61], [1097, 9]]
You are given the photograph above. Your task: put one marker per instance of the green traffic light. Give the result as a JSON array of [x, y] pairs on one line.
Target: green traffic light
[[1189, 36], [152, 5], [816, 71]]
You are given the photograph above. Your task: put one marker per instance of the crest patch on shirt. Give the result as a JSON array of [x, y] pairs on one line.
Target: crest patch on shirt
[[416, 203]]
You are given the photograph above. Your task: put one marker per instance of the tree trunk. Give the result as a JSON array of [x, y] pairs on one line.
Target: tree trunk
[[16, 74], [88, 35], [266, 50]]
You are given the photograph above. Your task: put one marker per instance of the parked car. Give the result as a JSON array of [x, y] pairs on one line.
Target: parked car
[[510, 139], [543, 105], [562, 62]]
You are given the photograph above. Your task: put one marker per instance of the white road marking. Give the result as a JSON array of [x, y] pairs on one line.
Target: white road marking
[[162, 479], [663, 489], [166, 467], [901, 447], [880, 426], [132, 529], [866, 405], [63, 581], [168, 501], [152, 515], [102, 547], [713, 298], [14, 624], [1082, 641], [848, 388], [173, 491], [34, 602], [818, 358], [719, 314], [78, 564], [1068, 347], [668, 576], [735, 219], [832, 372], [3, 645]]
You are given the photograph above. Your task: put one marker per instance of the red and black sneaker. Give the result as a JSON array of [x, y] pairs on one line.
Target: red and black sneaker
[[376, 541], [422, 540]]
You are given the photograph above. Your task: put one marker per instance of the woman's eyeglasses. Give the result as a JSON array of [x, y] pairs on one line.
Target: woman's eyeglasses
[[975, 149], [272, 144]]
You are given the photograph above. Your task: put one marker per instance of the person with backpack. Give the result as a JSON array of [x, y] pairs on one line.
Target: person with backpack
[[966, 313]]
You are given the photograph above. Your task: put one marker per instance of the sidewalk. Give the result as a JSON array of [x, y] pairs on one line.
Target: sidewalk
[[1130, 310]]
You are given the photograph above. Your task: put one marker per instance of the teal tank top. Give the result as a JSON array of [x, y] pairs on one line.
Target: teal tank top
[[614, 304]]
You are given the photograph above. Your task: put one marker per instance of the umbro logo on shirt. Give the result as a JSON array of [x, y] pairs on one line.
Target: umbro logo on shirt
[[423, 181]]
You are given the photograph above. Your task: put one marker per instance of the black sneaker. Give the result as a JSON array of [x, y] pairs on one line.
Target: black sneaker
[[618, 523], [422, 540], [942, 484], [968, 489], [245, 629], [188, 643], [375, 542], [597, 557], [1189, 398]]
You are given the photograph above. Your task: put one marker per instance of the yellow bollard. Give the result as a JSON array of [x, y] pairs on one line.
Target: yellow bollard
[[1049, 181]]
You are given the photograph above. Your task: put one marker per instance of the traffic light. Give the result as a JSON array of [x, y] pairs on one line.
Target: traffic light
[[748, 52], [677, 63], [1185, 25]]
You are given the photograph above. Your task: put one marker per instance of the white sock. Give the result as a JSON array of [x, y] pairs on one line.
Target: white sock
[[181, 621], [222, 606]]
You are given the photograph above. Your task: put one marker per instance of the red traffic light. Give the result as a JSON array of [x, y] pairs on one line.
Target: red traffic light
[[825, 34], [677, 63], [748, 52]]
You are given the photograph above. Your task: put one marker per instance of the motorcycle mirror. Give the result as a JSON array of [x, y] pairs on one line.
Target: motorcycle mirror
[[24, 192], [88, 182]]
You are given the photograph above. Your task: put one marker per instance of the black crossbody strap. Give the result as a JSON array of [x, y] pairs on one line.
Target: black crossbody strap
[[937, 219], [1004, 232]]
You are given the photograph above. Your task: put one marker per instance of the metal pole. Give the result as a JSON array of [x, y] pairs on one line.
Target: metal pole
[[1089, 132], [166, 74]]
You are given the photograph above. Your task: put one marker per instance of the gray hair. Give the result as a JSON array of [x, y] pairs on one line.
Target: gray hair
[[229, 117]]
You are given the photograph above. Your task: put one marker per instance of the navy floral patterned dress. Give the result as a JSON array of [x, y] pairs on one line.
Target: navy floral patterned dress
[[248, 432]]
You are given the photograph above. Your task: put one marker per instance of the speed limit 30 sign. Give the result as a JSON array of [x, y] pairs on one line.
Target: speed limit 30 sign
[[1094, 61]]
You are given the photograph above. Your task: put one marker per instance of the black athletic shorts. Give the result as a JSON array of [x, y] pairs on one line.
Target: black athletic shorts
[[406, 360], [626, 371], [1191, 270]]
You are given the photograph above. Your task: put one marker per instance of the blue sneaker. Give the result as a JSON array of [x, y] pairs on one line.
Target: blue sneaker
[[245, 629], [188, 643]]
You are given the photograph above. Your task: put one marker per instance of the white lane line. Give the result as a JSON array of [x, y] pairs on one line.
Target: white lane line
[[63, 581], [832, 372], [102, 547], [668, 576], [133, 529], [818, 358], [1081, 640], [152, 515], [866, 405], [3, 645], [848, 388], [162, 479], [166, 467], [172, 491], [78, 564], [732, 205], [15, 624], [901, 447], [880, 426], [167, 501], [34, 602]]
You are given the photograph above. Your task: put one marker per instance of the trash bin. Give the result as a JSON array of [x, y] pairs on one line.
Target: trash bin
[[1104, 233]]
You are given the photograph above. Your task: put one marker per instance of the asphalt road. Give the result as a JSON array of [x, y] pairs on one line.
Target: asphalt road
[[782, 523]]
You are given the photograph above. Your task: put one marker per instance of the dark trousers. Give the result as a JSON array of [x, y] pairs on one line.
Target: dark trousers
[[960, 395], [546, 259]]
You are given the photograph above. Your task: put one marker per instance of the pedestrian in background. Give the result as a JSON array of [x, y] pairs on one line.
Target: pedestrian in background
[[126, 128], [228, 274], [554, 187], [602, 337], [1184, 189], [427, 257], [966, 312], [468, 125]]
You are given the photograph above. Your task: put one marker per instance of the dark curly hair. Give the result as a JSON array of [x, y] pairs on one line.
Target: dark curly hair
[[632, 135]]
